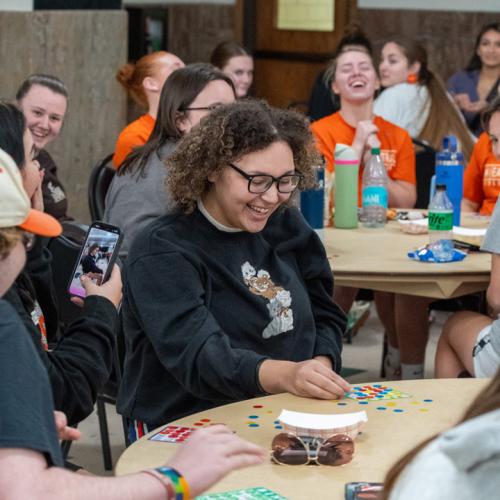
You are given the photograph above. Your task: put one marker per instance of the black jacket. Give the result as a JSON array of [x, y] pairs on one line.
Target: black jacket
[[81, 362]]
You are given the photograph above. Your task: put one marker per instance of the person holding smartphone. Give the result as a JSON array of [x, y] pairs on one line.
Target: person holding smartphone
[[30, 454], [230, 297], [81, 361]]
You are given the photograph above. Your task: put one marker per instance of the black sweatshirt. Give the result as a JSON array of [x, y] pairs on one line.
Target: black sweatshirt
[[81, 362], [204, 307]]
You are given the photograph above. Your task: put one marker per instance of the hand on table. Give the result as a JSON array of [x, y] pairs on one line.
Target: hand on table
[[211, 453], [111, 290], [64, 432], [313, 379]]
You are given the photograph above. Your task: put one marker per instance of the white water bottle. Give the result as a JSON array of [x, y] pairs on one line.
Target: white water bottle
[[374, 191]]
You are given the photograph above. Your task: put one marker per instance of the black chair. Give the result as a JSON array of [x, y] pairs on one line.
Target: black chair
[[65, 250], [425, 159], [100, 179]]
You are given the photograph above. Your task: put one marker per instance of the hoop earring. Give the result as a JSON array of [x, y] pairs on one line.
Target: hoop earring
[[412, 78]]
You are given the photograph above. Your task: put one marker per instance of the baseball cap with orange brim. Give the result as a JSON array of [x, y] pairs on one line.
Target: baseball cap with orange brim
[[15, 207]]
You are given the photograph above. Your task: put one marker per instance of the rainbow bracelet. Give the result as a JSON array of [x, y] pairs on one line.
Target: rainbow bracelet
[[179, 484]]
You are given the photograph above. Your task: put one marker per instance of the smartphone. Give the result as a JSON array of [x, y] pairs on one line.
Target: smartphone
[[97, 256], [363, 491]]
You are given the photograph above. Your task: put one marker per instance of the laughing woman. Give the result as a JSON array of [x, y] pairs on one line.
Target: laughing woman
[[230, 298], [43, 99]]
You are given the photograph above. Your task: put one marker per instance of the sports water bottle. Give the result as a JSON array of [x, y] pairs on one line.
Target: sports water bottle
[[346, 187], [441, 225], [374, 191], [450, 172], [312, 203]]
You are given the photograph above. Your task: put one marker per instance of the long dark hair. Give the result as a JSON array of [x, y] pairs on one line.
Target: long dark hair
[[180, 89], [12, 127], [444, 118], [487, 400], [475, 61]]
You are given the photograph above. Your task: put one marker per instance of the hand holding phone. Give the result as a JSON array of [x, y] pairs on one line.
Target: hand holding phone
[[111, 290], [95, 261]]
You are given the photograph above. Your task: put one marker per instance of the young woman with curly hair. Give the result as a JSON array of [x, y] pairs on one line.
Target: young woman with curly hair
[[230, 298]]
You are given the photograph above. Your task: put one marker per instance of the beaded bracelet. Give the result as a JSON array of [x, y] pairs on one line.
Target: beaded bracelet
[[180, 485]]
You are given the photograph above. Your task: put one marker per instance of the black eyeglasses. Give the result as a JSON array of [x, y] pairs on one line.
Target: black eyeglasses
[[28, 240], [203, 108], [260, 183]]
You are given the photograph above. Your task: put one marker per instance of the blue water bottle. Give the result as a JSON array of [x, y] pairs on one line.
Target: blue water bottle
[[450, 172], [312, 202]]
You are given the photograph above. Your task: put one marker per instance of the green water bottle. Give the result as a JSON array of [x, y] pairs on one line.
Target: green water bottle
[[346, 187]]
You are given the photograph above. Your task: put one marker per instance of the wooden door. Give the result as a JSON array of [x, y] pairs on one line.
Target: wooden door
[[288, 61]]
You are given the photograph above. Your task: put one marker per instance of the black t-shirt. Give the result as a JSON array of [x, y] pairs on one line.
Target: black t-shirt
[[27, 410]]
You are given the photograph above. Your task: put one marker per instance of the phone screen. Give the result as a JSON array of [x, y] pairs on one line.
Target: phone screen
[[98, 252]]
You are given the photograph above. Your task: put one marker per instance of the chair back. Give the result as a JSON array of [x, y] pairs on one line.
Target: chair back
[[65, 250], [100, 179], [425, 163]]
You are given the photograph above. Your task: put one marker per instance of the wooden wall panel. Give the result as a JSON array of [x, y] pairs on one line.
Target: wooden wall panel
[[283, 83], [291, 56], [194, 30], [270, 38], [84, 49], [448, 36]]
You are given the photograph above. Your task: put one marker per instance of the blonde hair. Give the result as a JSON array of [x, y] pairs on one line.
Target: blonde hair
[[132, 75], [9, 238]]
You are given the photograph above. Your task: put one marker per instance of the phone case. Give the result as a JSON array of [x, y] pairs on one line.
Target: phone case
[[106, 228]]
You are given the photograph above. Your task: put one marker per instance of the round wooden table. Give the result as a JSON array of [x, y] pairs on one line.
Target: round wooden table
[[393, 427], [377, 259]]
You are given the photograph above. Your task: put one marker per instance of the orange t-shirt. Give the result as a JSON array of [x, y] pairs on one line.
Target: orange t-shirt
[[396, 147], [133, 135], [482, 176]]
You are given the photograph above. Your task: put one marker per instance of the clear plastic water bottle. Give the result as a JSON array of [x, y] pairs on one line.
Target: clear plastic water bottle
[[441, 225], [374, 191]]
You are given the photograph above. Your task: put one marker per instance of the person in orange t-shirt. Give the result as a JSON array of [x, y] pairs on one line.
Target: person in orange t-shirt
[[396, 150], [482, 175], [143, 81], [354, 79]]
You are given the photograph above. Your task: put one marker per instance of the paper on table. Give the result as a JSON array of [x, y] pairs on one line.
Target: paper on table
[[468, 231], [474, 236], [321, 425]]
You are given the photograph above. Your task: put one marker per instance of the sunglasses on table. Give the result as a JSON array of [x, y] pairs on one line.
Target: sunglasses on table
[[260, 183], [289, 449]]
